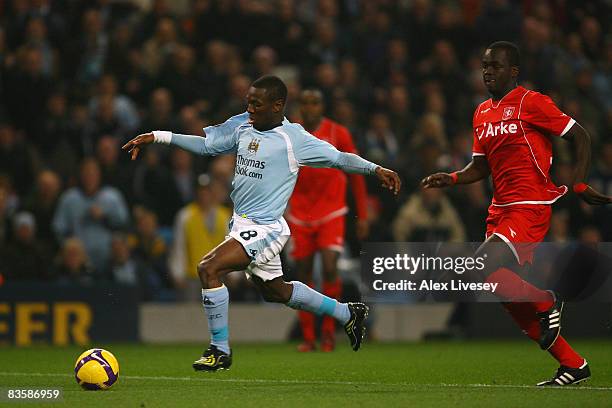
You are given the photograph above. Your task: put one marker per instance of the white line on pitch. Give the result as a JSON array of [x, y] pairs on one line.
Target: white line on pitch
[[285, 381]]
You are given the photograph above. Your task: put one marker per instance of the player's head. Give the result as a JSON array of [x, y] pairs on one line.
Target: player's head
[[500, 67], [266, 102], [311, 106]]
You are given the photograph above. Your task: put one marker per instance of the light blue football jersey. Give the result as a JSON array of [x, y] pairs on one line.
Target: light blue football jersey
[[267, 163]]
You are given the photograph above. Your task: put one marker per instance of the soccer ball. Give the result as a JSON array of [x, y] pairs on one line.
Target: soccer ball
[[96, 369]]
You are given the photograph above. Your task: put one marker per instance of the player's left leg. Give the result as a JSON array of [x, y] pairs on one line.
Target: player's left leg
[[573, 367], [299, 296], [226, 257]]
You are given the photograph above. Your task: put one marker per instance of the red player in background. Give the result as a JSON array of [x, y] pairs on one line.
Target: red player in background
[[512, 143], [316, 216]]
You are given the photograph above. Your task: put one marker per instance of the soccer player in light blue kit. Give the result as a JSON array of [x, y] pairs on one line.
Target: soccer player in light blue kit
[[269, 152]]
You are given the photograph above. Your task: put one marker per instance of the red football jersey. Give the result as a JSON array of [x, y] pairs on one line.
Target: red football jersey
[[513, 134], [320, 194]]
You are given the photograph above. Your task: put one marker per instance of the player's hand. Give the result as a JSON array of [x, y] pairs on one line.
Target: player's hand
[[389, 178], [362, 229], [437, 180], [594, 197], [133, 146]]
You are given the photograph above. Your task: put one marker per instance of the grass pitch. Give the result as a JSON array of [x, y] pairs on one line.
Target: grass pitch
[[436, 374]]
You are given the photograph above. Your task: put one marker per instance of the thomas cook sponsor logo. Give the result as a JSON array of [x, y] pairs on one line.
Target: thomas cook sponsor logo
[[244, 167]]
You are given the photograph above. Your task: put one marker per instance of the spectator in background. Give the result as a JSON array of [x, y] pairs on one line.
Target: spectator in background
[[16, 160], [72, 265], [380, 142], [183, 177], [26, 91], [91, 212], [160, 111], [129, 271], [58, 144], [148, 246], [123, 108], [181, 77], [5, 212], [25, 257], [36, 37], [85, 61], [426, 217], [115, 172], [159, 48], [198, 228], [42, 204]]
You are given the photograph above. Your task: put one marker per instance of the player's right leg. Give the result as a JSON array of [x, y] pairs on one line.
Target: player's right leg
[[226, 257], [502, 262], [573, 367]]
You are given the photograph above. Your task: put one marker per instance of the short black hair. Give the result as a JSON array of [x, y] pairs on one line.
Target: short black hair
[[274, 86], [512, 51]]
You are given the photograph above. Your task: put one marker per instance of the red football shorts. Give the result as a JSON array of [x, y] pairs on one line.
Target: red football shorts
[[522, 227], [308, 239]]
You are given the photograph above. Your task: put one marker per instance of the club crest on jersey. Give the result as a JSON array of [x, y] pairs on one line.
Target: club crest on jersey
[[253, 145], [508, 112]]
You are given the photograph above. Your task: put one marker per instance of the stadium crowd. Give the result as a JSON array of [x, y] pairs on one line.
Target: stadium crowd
[[79, 78]]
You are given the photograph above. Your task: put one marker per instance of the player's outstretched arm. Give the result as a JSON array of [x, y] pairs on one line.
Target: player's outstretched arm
[[581, 141], [476, 170]]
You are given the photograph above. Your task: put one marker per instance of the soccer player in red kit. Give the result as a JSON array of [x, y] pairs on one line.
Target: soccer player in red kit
[[512, 143], [316, 216]]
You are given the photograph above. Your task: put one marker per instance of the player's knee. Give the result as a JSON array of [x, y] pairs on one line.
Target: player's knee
[[207, 270]]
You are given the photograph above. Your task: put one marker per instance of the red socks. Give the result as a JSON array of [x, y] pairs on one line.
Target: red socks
[[524, 314], [513, 288]]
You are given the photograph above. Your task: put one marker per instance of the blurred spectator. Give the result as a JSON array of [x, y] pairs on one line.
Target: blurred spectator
[[428, 216], [183, 176], [42, 204], [91, 212], [160, 114], [198, 228], [129, 271], [27, 89], [115, 172], [72, 265], [181, 77], [380, 142], [559, 227], [123, 109], [36, 37], [25, 257], [5, 214], [159, 48], [148, 246], [85, 60], [16, 160]]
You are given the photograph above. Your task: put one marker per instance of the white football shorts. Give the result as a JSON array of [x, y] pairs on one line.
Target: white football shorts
[[263, 244]]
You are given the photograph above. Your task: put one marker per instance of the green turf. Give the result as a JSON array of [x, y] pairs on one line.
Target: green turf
[[467, 374]]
